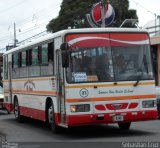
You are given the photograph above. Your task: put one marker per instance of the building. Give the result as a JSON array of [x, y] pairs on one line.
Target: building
[[1, 66], [155, 51], [153, 28]]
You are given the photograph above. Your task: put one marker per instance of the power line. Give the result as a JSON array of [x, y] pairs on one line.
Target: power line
[[29, 20], [6, 36], [11, 7], [137, 3], [26, 31], [36, 35]]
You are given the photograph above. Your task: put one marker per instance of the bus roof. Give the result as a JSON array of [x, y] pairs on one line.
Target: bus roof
[[83, 30]]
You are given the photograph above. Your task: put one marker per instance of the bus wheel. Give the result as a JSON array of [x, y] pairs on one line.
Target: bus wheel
[[51, 119], [8, 112], [18, 117], [124, 126]]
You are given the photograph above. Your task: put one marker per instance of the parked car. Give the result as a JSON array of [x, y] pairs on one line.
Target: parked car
[[1, 98], [158, 100]]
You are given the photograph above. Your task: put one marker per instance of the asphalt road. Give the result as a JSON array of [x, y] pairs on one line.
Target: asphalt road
[[34, 131]]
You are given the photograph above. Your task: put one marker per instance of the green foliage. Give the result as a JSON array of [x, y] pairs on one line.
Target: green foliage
[[73, 14], [121, 8]]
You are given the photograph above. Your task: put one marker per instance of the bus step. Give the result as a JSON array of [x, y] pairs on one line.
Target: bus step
[[63, 125]]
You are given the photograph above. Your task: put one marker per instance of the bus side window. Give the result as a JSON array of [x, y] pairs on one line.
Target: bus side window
[[46, 64], [20, 59], [29, 57], [50, 52], [15, 60], [24, 58], [35, 56], [15, 70], [50, 58], [39, 54], [44, 54], [23, 69], [5, 67]]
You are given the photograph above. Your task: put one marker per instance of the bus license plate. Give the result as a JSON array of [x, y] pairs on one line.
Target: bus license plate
[[118, 118]]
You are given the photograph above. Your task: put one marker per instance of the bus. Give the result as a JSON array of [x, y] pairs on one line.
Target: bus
[[79, 77]]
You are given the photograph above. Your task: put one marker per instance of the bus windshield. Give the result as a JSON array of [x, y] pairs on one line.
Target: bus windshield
[[109, 63]]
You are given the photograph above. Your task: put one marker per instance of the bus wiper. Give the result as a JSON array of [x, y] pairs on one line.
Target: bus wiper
[[138, 79], [145, 63]]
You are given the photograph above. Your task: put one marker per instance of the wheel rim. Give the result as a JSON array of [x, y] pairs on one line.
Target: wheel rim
[[50, 115], [16, 109]]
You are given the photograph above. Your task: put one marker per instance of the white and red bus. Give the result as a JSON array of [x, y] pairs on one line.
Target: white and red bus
[[81, 77]]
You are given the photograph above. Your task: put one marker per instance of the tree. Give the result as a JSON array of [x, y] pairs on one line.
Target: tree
[[121, 8], [73, 14]]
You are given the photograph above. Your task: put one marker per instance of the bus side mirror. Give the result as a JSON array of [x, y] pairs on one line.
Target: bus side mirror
[[65, 58], [64, 46], [65, 54]]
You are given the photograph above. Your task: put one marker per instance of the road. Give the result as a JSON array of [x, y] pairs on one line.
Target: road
[[35, 131]]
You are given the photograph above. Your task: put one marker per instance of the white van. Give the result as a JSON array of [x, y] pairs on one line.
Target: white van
[[1, 98], [158, 100]]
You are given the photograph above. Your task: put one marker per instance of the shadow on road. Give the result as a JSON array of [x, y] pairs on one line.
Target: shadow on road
[[86, 132], [107, 131]]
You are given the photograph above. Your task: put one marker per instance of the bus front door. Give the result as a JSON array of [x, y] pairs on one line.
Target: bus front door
[[60, 89]]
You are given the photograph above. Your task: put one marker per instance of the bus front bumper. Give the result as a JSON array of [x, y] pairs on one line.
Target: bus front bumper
[[89, 119]]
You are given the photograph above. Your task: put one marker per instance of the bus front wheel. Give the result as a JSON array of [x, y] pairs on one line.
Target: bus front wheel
[[51, 119], [18, 117]]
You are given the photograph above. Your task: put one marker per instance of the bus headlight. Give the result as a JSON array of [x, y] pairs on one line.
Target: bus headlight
[[80, 108], [149, 103]]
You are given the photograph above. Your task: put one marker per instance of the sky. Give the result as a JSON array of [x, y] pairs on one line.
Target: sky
[[32, 16]]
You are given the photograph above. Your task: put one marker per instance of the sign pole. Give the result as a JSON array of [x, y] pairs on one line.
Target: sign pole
[[103, 14], [14, 34]]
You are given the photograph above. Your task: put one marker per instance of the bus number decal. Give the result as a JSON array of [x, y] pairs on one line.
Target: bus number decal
[[84, 93]]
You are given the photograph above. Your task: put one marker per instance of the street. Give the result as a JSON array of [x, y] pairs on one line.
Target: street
[[36, 131]]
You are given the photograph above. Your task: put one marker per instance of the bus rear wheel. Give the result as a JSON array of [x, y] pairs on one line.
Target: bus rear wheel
[[51, 119], [18, 117], [124, 126]]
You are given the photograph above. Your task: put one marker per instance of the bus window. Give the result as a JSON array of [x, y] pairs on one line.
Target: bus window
[[29, 57], [6, 67], [23, 70], [44, 54], [35, 56], [50, 51], [20, 59], [34, 69], [15, 60], [47, 59], [24, 57]]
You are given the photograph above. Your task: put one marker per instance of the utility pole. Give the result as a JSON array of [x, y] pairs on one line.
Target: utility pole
[[15, 35]]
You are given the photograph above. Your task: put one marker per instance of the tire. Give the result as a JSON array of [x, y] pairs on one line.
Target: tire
[[8, 111], [124, 126], [51, 119], [18, 117]]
